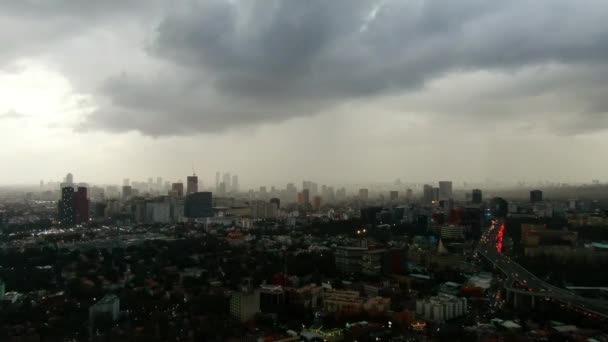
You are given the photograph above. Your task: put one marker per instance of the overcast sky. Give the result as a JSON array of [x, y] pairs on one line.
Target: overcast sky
[[285, 90]]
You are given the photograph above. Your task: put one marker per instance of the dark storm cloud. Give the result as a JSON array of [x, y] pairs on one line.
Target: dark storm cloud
[[235, 63], [29, 27]]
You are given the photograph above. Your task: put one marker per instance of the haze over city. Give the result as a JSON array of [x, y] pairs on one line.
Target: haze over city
[[350, 91]]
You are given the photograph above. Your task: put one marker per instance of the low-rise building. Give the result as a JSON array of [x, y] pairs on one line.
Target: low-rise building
[[441, 308], [244, 305], [109, 305]]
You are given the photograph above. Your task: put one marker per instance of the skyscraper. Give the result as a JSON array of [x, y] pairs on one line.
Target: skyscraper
[[69, 179], [291, 193], [66, 206], [317, 202], [217, 180], [536, 196], [427, 193], [476, 196], [81, 206], [178, 189], [191, 184], [408, 194], [363, 194], [445, 190], [276, 201], [306, 196], [394, 195], [198, 205], [227, 180], [235, 183], [127, 192]]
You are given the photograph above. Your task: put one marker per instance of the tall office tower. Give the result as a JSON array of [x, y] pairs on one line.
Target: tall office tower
[[159, 183], [476, 196], [178, 189], [306, 196], [126, 182], [314, 189], [363, 194], [536, 196], [394, 195], [226, 179], [409, 193], [217, 180], [445, 190], [291, 193], [276, 201], [263, 192], [221, 189], [235, 183], [427, 194], [127, 192], [307, 185], [331, 195], [191, 184], [150, 182], [69, 179], [341, 194], [81, 206], [198, 205], [66, 206], [316, 202]]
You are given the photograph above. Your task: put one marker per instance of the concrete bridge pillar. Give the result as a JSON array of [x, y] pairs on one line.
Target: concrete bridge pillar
[[516, 300]]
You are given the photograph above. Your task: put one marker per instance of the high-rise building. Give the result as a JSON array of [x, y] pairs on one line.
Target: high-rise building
[[81, 206], [178, 189], [317, 202], [159, 183], [221, 189], [445, 190], [363, 194], [341, 194], [191, 184], [66, 206], [126, 182], [536, 196], [127, 192], [476, 196], [235, 183], [306, 196], [69, 179], [198, 205], [409, 193], [291, 193], [227, 179], [217, 180], [427, 194], [394, 195], [276, 201]]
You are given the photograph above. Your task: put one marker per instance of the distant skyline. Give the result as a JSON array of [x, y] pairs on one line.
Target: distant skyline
[[342, 91]]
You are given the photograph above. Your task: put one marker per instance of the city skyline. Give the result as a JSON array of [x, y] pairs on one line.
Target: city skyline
[[366, 90]]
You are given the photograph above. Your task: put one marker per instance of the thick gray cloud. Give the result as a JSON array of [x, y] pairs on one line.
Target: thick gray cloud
[[220, 64], [11, 115], [235, 63]]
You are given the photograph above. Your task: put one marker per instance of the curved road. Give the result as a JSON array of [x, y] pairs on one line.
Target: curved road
[[533, 286]]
